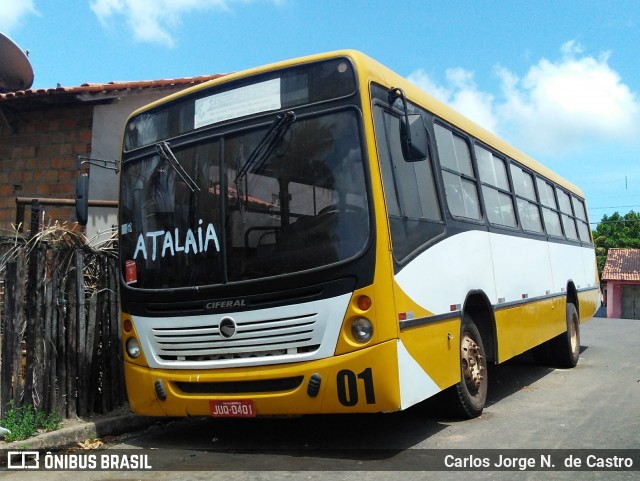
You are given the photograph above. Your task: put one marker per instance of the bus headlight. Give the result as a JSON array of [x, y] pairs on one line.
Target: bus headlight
[[361, 329], [133, 347]]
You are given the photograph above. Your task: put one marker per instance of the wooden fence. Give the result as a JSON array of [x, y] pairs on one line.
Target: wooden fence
[[61, 349]]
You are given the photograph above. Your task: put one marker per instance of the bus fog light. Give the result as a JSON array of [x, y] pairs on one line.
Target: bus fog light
[[362, 329], [133, 348]]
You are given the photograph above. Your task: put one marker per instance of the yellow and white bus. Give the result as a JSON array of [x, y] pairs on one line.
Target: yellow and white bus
[[321, 236]]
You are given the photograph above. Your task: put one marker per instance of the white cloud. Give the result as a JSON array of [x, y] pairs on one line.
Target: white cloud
[[13, 11], [565, 104], [462, 94], [557, 107], [422, 80], [153, 21]]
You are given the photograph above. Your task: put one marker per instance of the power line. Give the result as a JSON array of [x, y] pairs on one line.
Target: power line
[[615, 207], [591, 197]]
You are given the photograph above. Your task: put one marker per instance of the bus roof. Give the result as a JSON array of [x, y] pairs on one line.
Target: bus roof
[[376, 72]]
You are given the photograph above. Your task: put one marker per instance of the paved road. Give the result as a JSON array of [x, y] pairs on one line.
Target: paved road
[[594, 406]]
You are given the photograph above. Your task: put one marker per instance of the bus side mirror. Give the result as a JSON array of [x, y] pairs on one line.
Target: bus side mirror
[[413, 137], [82, 199]]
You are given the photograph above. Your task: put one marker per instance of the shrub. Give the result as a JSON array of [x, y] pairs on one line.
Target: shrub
[[26, 421]]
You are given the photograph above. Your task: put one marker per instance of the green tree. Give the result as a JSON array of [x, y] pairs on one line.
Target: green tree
[[616, 231]]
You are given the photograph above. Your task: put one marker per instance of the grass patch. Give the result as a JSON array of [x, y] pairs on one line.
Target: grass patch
[[26, 421]]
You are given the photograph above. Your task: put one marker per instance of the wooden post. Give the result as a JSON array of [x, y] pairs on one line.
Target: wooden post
[[20, 216], [20, 326], [35, 214], [108, 341], [34, 386], [61, 344], [58, 371], [81, 343], [89, 397], [11, 352], [8, 335], [76, 291], [48, 381], [116, 330]]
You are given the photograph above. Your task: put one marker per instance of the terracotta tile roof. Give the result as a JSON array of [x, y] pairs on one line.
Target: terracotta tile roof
[[95, 88], [622, 265]]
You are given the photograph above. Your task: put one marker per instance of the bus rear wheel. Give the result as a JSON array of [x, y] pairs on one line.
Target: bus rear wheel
[[471, 391], [566, 347], [563, 350]]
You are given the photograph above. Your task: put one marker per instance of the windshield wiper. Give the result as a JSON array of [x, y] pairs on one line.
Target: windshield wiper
[[164, 150], [260, 154]]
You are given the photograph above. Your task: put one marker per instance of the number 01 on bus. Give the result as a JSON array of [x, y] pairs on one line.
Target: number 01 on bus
[[321, 236]]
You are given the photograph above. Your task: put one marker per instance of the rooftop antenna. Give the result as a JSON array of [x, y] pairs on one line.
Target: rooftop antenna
[[16, 72]]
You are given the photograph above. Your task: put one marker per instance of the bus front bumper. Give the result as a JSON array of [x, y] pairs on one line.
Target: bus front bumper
[[363, 381]]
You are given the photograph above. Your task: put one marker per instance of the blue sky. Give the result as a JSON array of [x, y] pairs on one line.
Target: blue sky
[[558, 79]]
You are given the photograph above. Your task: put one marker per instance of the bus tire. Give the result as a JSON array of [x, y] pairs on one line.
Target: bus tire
[[562, 351], [471, 391], [566, 346]]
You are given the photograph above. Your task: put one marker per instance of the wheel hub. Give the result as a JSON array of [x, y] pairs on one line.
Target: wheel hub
[[472, 363], [574, 335]]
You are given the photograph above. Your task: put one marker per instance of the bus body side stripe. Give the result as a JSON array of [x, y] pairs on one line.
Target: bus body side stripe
[[415, 383], [496, 307], [507, 269]]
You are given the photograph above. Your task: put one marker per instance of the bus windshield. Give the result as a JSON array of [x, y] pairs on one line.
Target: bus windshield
[[278, 197]]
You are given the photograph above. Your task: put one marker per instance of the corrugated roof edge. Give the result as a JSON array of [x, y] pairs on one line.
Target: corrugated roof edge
[[90, 87]]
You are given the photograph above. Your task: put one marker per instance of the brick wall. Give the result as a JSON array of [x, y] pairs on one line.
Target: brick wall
[[38, 150]]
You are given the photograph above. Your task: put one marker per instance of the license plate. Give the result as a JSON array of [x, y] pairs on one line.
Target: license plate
[[241, 408]]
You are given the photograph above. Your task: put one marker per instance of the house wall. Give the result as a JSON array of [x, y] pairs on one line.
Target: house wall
[[614, 297], [38, 150], [108, 126]]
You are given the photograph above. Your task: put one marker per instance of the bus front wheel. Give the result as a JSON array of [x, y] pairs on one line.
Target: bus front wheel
[[471, 391]]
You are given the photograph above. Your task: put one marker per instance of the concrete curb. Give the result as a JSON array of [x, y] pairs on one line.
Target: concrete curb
[[71, 435]]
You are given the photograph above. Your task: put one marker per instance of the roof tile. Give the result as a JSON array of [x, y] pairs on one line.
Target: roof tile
[[90, 87], [622, 265]]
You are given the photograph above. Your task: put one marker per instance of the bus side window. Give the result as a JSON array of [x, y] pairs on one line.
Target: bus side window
[[567, 220], [549, 208], [495, 188], [457, 172], [528, 208], [581, 219], [412, 199]]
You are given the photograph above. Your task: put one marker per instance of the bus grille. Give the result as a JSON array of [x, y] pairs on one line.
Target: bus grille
[[203, 341]]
